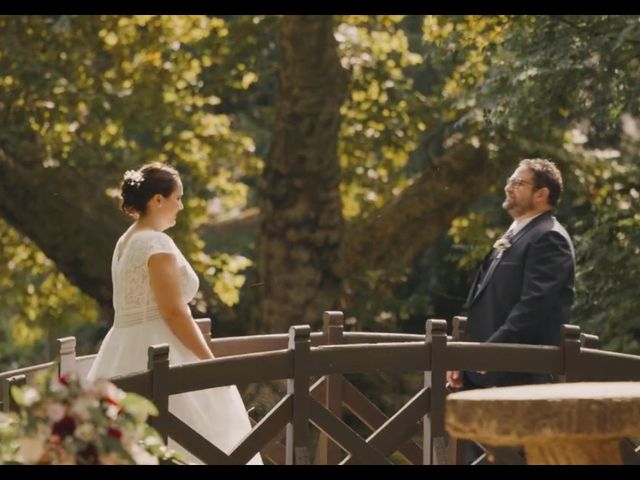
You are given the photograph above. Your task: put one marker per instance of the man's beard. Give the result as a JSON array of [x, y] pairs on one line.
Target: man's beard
[[515, 209], [508, 203]]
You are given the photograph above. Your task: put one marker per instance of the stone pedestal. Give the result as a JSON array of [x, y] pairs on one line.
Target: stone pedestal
[[562, 423]]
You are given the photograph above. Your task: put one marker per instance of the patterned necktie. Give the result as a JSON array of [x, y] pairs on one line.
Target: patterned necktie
[[502, 243], [509, 234], [499, 246]]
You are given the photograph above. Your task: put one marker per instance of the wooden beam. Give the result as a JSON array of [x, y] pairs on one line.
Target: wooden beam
[[344, 436], [265, 430]]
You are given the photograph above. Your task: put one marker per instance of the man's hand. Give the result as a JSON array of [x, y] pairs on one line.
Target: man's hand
[[454, 379]]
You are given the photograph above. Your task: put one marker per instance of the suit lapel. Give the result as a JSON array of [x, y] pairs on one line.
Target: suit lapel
[[488, 274], [498, 258], [474, 287]]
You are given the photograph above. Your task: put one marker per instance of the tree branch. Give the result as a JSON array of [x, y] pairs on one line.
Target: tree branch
[[408, 225]]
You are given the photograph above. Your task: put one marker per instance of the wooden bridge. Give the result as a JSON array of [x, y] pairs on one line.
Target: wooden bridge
[[314, 365]]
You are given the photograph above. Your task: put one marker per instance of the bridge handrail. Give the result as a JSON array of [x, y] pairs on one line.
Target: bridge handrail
[[332, 353]]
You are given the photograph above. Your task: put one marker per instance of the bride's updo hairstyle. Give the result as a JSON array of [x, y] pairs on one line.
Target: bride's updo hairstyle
[[139, 186]]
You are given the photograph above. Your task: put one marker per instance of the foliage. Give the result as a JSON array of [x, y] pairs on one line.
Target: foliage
[[61, 422], [607, 238], [106, 93], [600, 210], [473, 40], [379, 128], [434, 64], [37, 303], [565, 87], [469, 235], [555, 68]]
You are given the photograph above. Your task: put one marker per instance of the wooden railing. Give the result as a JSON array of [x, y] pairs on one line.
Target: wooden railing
[[314, 365]]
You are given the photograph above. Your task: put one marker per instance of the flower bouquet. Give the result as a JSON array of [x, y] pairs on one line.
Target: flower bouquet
[[61, 422]]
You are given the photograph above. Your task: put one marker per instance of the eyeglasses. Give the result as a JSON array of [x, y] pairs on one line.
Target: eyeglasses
[[517, 182]]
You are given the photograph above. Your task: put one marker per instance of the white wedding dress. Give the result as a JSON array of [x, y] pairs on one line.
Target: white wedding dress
[[218, 414]]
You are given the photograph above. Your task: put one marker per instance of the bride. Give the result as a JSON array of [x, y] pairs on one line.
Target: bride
[[152, 285]]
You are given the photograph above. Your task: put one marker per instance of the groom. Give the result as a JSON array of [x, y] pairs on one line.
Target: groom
[[523, 291]]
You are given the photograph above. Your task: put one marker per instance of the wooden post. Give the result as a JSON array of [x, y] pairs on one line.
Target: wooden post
[[435, 379], [67, 356], [458, 330], [570, 352], [158, 364], [457, 335], [297, 444], [7, 402], [589, 341], [327, 452], [204, 324]]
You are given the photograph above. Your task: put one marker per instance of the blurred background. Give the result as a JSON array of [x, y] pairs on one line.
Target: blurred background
[[329, 162]]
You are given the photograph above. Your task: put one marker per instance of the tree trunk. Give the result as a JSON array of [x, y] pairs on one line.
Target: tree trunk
[[66, 213], [301, 225]]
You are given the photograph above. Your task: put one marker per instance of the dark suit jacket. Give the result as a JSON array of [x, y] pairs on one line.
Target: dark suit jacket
[[524, 296]]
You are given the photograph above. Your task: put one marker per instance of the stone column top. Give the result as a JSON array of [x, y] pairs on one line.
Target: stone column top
[[524, 414]]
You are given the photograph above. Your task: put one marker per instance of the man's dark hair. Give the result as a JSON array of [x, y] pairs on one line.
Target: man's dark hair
[[545, 174]]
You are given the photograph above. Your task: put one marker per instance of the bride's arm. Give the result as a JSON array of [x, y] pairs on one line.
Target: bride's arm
[[165, 284]]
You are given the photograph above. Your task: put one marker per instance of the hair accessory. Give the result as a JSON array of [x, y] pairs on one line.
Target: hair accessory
[[133, 177]]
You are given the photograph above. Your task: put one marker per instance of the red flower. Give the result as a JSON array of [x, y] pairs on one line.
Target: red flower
[[64, 427], [114, 433], [64, 379]]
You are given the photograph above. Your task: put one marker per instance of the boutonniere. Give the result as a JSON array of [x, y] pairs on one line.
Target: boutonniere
[[502, 245]]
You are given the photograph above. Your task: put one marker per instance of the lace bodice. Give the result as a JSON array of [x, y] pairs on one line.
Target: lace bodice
[[133, 299], [217, 414]]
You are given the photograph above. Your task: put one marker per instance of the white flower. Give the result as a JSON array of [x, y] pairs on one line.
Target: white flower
[[85, 432], [128, 438], [58, 387], [82, 407], [152, 440], [56, 411], [133, 177], [60, 422], [112, 412], [502, 244], [141, 456], [107, 389], [30, 397], [31, 449]]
